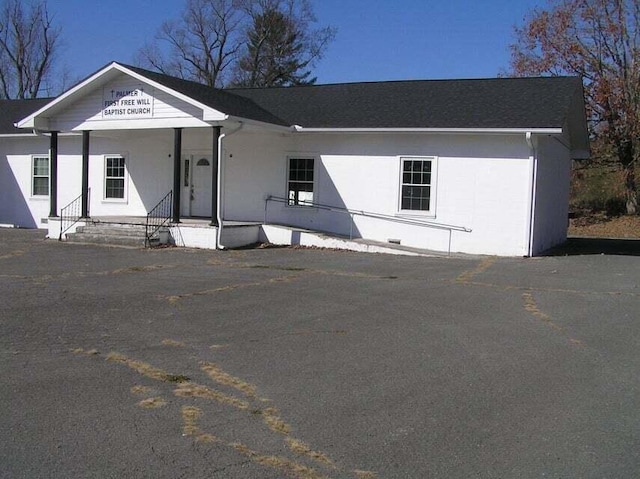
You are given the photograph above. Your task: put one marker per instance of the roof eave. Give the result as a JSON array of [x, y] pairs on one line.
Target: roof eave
[[501, 131], [263, 124], [29, 122], [18, 135]]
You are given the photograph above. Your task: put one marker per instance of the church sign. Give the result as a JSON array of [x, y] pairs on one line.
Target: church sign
[[126, 103]]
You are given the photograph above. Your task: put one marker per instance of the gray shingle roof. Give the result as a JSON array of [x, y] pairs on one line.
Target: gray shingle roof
[[500, 103], [494, 103], [12, 111], [221, 100]]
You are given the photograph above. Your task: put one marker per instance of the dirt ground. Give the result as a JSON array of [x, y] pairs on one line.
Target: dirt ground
[[601, 226]]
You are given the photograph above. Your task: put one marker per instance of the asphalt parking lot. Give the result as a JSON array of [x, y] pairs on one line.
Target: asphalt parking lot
[[272, 363]]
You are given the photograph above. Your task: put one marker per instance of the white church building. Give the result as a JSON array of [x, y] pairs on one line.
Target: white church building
[[469, 166]]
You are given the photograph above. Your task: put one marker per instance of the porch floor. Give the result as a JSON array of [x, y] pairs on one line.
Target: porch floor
[[189, 221]]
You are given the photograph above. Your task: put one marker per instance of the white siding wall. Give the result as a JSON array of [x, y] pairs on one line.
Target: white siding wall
[[149, 169], [552, 194], [148, 164], [481, 184], [86, 113], [17, 206], [254, 168]]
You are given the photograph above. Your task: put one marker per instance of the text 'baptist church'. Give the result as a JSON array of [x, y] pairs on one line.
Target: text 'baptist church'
[[126, 103]]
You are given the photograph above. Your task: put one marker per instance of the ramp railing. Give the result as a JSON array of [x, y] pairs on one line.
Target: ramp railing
[[367, 214]]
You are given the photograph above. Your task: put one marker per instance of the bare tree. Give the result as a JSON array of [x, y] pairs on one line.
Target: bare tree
[[28, 43], [280, 44], [245, 42], [200, 46], [600, 41]]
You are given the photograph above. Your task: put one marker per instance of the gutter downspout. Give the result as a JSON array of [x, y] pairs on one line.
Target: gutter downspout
[[219, 245], [533, 181]]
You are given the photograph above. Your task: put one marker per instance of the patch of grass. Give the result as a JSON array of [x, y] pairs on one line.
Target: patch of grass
[[189, 389], [87, 352], [140, 390], [13, 254], [531, 307], [190, 416], [271, 418], [152, 403], [206, 438], [290, 467], [134, 269], [146, 369], [481, 267], [303, 449], [365, 474], [221, 377]]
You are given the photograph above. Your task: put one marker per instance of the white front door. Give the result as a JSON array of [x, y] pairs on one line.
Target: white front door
[[200, 195]]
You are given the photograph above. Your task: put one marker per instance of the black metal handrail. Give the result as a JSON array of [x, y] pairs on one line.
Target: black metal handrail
[[158, 216], [70, 215]]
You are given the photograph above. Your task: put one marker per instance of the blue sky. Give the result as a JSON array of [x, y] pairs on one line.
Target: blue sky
[[376, 40]]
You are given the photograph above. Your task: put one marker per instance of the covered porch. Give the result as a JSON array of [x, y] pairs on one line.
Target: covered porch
[[141, 184], [126, 148]]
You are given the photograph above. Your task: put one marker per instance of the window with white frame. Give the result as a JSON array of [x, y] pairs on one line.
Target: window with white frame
[[417, 184], [114, 180], [40, 176], [300, 181]]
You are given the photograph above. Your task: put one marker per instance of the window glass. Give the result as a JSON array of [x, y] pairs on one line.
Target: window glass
[[40, 176], [300, 183], [416, 185], [187, 163], [115, 176]]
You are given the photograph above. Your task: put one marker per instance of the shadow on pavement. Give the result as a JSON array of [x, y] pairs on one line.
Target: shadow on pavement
[[577, 246]]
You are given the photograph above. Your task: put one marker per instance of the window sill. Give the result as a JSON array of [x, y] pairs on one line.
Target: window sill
[[416, 214], [301, 207], [39, 198], [119, 201]]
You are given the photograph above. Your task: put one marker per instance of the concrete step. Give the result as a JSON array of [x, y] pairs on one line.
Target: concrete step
[[110, 234], [113, 230], [106, 239]]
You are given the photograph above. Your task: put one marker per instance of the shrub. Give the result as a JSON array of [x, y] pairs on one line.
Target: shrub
[[597, 188]]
